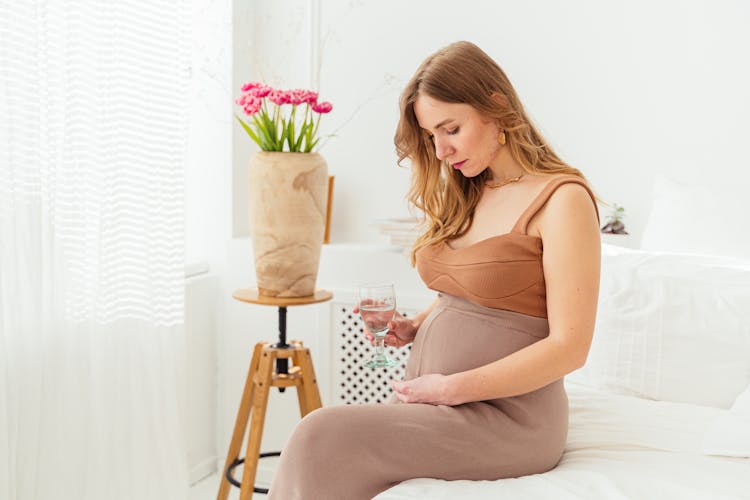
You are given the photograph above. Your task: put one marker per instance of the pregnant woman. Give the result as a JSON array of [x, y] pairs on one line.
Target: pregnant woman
[[511, 245]]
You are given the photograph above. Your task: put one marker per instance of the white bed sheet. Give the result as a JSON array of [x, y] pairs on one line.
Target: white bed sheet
[[619, 447]]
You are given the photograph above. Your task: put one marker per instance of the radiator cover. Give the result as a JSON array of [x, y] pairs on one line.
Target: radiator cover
[[353, 383]]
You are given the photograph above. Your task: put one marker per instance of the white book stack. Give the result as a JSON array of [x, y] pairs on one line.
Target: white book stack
[[401, 231]]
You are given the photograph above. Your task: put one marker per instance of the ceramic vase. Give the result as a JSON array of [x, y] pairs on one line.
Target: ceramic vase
[[288, 198]]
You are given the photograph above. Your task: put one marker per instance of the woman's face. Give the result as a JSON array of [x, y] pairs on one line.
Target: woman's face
[[462, 137]]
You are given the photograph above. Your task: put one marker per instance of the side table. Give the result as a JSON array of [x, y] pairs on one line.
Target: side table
[[269, 367]]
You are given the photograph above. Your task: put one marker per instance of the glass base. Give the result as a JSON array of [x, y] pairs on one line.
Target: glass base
[[383, 361]]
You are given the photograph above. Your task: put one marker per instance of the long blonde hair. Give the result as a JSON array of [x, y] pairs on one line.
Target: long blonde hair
[[463, 73]]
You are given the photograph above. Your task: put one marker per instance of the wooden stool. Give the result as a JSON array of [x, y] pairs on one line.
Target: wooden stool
[[260, 378]]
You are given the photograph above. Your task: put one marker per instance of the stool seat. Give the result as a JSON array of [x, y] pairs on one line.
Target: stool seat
[[260, 378], [253, 296]]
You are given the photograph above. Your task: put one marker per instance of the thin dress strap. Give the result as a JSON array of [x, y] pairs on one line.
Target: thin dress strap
[[522, 224]]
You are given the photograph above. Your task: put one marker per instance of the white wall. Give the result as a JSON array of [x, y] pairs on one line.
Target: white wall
[[209, 97], [622, 90], [199, 386]]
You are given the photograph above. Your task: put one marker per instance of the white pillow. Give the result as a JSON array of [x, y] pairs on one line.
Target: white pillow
[[729, 435], [671, 327], [695, 219]]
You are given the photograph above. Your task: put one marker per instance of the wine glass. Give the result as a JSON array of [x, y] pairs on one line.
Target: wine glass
[[377, 306]]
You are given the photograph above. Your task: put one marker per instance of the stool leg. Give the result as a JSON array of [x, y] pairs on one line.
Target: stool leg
[[240, 425], [301, 398], [309, 382], [263, 379]]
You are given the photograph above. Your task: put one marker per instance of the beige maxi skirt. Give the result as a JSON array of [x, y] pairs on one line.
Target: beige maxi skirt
[[353, 452]]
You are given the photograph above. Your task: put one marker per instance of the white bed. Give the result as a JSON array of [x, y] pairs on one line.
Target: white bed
[[619, 447], [662, 408]]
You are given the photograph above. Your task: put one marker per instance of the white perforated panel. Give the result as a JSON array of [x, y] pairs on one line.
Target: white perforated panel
[[353, 382]]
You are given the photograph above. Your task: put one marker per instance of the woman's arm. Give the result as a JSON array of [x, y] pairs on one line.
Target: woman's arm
[[572, 254]]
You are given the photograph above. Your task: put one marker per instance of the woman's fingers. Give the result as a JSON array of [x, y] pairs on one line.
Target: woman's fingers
[[389, 340], [392, 340]]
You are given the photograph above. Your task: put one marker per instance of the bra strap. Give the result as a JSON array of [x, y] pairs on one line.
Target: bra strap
[[522, 224]]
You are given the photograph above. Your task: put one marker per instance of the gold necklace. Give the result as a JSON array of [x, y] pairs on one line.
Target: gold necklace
[[505, 182]]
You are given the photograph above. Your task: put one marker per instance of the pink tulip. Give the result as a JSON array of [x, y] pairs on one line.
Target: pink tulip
[[261, 91], [250, 86], [279, 97], [297, 96], [322, 107], [244, 98], [271, 118], [252, 105], [310, 97]]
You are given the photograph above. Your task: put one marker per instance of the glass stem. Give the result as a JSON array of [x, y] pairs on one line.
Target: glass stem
[[380, 346]]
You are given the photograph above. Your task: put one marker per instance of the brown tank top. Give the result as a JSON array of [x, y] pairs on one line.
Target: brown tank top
[[503, 271]]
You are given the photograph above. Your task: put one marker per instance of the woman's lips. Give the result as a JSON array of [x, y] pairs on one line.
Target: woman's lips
[[459, 164]]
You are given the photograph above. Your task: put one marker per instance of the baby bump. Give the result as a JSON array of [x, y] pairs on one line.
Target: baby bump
[[459, 335]]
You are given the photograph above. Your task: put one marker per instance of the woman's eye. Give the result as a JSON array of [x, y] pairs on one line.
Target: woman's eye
[[453, 132]]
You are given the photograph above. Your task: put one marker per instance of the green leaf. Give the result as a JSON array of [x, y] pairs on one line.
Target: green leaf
[[262, 133], [299, 139], [290, 135], [309, 136], [270, 127], [283, 137], [250, 132]]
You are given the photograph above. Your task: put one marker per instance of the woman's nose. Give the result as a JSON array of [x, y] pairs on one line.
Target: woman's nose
[[442, 148]]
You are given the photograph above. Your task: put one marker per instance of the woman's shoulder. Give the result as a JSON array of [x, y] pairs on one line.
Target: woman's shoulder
[[564, 197], [544, 187], [551, 186]]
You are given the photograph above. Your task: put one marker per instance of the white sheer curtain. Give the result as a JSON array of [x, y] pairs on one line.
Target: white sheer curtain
[[92, 154]]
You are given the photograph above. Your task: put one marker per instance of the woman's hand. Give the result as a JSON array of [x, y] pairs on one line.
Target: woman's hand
[[432, 389], [401, 331]]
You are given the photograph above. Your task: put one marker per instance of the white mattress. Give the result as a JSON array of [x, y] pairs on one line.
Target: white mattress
[[619, 447]]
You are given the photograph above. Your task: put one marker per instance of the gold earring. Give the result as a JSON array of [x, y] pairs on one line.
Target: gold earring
[[501, 138]]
